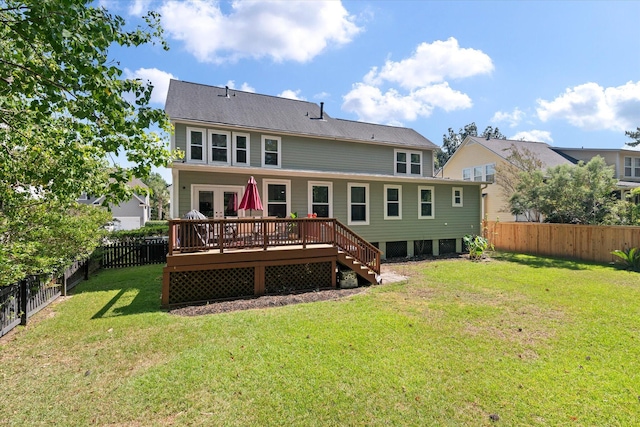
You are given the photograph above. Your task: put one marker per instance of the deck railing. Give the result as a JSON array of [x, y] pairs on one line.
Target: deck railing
[[189, 235]]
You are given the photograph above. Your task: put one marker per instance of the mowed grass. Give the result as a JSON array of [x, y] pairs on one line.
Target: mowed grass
[[515, 341]]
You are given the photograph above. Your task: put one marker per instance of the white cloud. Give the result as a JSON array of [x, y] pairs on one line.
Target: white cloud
[[139, 7], [245, 87], [291, 94], [513, 119], [391, 107], [533, 135], [422, 81], [158, 78], [291, 30], [432, 63], [592, 107]]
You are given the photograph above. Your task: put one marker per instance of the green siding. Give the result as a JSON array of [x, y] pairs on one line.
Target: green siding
[[300, 153], [459, 220]]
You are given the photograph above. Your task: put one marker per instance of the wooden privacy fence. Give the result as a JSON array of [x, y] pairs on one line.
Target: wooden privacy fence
[[582, 242]]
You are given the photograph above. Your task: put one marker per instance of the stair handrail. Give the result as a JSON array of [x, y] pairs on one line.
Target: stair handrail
[[356, 246]]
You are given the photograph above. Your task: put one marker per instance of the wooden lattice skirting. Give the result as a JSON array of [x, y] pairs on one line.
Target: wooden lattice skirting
[[202, 285]]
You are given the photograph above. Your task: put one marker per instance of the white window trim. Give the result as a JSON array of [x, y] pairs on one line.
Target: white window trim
[[210, 146], [433, 202], [453, 197], [234, 159], [265, 192], [367, 202], [204, 145], [408, 163], [386, 211], [469, 170], [262, 151], [310, 186]]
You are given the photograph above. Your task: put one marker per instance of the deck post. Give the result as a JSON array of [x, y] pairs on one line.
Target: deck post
[[258, 280]]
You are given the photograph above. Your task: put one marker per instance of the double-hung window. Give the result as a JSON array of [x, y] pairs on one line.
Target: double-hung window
[[490, 172], [477, 173], [392, 202], [321, 199], [358, 202], [636, 167], [627, 166], [278, 200], [426, 209], [241, 149], [408, 162], [456, 197], [466, 174], [196, 145], [220, 147], [271, 151]]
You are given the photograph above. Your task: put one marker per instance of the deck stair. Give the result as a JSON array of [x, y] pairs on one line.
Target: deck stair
[[360, 269]]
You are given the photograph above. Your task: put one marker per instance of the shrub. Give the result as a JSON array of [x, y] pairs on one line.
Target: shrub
[[629, 257], [477, 246]]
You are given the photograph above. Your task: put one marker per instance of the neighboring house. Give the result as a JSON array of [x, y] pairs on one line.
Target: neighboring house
[[476, 160], [128, 215], [377, 180], [625, 162]]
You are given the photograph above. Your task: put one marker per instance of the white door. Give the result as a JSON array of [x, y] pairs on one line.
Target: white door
[[216, 201]]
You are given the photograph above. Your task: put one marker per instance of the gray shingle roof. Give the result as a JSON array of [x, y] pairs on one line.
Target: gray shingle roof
[[209, 104], [542, 151]]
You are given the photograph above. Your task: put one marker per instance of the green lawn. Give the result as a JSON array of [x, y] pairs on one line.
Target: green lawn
[[534, 341]]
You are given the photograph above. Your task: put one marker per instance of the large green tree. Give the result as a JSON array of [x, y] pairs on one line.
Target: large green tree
[[452, 140], [635, 135], [577, 194], [66, 112], [159, 195]]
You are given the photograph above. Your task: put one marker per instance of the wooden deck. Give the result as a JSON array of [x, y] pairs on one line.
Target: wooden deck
[[237, 258]]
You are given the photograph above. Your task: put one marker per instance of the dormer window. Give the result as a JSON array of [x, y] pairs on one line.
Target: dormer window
[[408, 162]]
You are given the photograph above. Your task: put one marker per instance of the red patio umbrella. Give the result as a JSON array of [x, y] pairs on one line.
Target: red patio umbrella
[[251, 199]]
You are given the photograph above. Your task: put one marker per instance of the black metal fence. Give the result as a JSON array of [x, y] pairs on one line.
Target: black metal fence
[[19, 301]]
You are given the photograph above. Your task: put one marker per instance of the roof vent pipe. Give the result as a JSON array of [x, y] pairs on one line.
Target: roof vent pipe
[[226, 91], [322, 111]]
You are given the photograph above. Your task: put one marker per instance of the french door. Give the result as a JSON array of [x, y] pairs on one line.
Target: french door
[[216, 201]]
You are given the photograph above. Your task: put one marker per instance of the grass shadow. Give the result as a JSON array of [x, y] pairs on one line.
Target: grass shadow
[[138, 290], [538, 261]]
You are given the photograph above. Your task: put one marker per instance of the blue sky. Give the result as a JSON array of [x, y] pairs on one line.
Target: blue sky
[[565, 73]]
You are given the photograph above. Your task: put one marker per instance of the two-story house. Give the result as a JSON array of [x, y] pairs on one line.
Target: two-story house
[[477, 158], [626, 164], [378, 180]]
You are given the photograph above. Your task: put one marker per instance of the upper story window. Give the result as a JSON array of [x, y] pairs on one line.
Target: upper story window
[[456, 197], [196, 146], [490, 172], [358, 203], [241, 149], [392, 202], [632, 167], [408, 162], [271, 151], [220, 147], [477, 173], [480, 173], [426, 208]]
